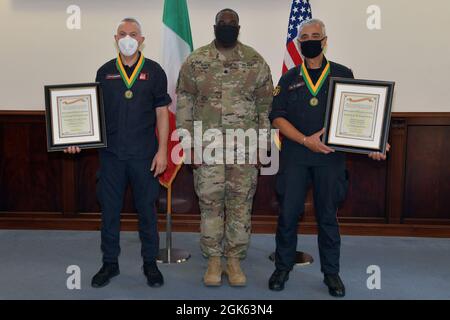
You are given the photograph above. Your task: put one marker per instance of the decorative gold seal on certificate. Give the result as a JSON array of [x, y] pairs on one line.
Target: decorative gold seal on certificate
[[314, 102], [128, 94]]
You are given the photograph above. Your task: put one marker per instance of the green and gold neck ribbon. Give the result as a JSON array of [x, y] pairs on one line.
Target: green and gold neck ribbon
[[315, 88], [129, 81]]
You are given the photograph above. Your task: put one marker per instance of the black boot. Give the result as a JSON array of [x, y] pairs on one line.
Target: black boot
[[277, 280], [335, 286], [154, 276], [108, 271]]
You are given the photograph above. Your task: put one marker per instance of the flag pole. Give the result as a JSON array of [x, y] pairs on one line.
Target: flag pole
[[170, 255], [169, 223]]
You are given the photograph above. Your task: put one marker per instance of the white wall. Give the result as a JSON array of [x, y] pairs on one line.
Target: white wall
[[412, 48]]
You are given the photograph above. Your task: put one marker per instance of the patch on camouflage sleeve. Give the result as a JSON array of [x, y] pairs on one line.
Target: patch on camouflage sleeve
[[276, 91]]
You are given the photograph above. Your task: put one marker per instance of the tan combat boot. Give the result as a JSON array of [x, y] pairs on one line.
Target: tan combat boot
[[213, 275], [236, 277]]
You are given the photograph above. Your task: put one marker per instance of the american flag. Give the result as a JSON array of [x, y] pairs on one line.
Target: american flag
[[300, 11]]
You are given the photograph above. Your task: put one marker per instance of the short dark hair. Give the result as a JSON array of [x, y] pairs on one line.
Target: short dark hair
[[227, 10]]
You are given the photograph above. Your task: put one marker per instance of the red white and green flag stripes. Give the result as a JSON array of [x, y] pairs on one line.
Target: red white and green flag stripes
[[177, 45]]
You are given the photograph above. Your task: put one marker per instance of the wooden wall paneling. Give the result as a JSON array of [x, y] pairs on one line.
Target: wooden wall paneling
[[184, 199], [396, 170], [366, 196], [29, 175], [265, 201], [407, 195], [427, 183], [69, 186], [2, 167], [87, 168]]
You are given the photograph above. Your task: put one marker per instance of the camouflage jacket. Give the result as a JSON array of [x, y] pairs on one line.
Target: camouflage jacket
[[234, 93]]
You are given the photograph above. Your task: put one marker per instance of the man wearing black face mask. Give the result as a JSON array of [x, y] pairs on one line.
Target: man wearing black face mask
[[298, 111], [225, 85]]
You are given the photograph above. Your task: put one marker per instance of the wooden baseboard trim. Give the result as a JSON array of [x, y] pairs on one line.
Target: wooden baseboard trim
[[191, 223]]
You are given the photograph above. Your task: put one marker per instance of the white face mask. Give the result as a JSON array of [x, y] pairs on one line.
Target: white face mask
[[128, 46]]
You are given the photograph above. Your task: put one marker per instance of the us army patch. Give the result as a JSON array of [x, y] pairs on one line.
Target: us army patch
[[276, 91]]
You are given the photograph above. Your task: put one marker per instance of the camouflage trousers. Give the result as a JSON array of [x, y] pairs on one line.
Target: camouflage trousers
[[225, 197]]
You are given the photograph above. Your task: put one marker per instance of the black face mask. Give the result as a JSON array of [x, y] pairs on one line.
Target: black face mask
[[226, 35], [311, 48]]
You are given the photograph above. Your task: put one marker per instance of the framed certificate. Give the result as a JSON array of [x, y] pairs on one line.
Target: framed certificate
[[358, 115], [74, 116]]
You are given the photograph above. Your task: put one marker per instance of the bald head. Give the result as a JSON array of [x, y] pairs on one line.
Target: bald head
[[230, 13]]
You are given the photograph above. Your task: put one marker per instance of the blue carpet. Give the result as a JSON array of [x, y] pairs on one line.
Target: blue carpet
[[33, 266]]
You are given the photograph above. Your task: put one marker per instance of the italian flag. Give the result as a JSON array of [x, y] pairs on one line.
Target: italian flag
[[177, 45]]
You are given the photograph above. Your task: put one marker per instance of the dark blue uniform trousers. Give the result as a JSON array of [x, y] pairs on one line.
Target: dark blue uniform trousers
[[329, 189], [114, 176]]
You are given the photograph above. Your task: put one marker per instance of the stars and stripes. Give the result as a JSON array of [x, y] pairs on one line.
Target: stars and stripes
[[300, 11]]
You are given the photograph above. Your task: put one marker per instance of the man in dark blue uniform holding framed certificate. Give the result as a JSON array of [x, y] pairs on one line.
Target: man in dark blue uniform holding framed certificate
[[135, 100], [298, 111]]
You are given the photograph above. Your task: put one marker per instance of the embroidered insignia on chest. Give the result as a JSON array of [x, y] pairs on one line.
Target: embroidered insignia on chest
[[143, 76], [276, 91]]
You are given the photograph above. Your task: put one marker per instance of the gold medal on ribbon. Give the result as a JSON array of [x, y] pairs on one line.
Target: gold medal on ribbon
[[128, 94], [315, 88], [129, 81], [314, 102]]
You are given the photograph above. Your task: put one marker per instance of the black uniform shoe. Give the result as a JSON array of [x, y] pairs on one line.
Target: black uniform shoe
[[154, 276], [277, 280], [108, 271], [335, 286]]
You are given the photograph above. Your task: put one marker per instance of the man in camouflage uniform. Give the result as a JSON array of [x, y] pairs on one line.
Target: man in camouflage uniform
[[225, 85]]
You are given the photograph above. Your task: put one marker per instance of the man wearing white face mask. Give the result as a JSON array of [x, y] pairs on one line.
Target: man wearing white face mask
[[135, 98]]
